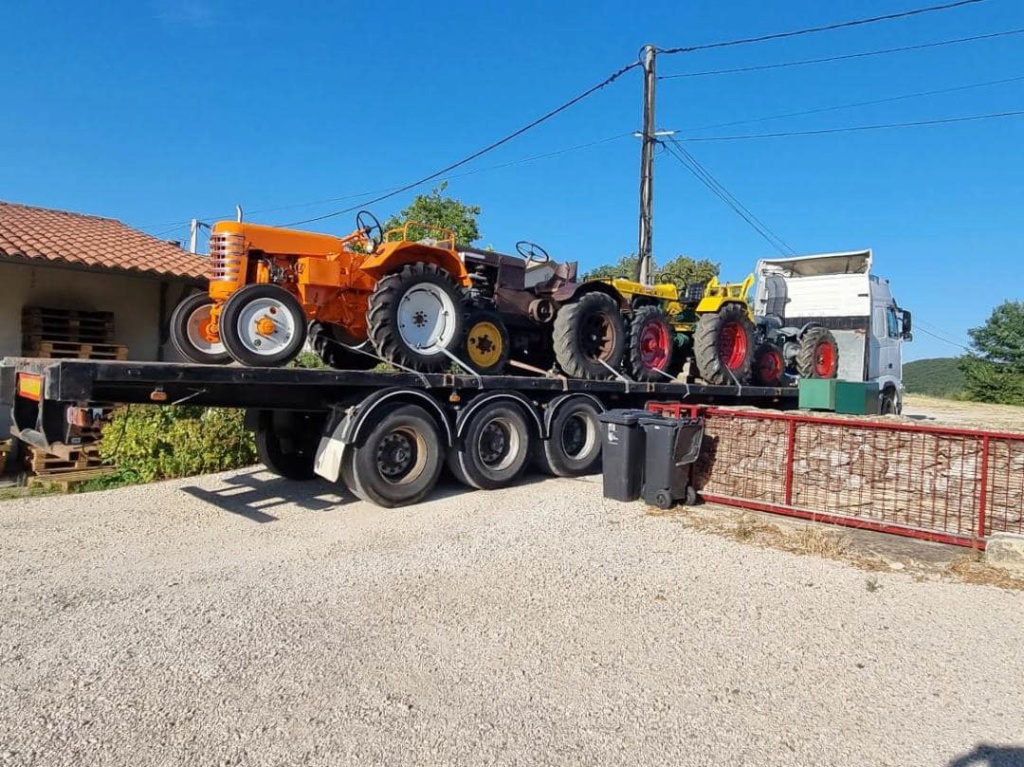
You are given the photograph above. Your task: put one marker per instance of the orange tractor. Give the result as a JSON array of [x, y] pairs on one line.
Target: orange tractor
[[418, 304]]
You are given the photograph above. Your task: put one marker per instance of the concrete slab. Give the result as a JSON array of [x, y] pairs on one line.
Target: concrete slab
[[1006, 550]]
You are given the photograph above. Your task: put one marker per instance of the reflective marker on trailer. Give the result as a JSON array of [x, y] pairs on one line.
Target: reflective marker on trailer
[[30, 386]]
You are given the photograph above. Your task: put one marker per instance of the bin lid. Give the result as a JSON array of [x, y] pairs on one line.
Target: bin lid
[[625, 416], [673, 423]]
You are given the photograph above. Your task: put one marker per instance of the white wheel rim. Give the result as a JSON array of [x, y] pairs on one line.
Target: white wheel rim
[[252, 317], [194, 331], [426, 319]]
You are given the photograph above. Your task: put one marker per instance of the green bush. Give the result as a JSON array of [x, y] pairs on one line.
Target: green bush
[[148, 442]]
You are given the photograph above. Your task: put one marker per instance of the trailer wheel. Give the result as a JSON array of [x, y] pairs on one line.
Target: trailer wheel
[[589, 334], [650, 344], [288, 452], [495, 446], [191, 332], [769, 365], [723, 345], [263, 325], [574, 447], [414, 316], [487, 346], [818, 356], [398, 461]]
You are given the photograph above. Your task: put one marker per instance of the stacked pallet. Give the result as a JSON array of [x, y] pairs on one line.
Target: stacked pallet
[[69, 334], [74, 465]]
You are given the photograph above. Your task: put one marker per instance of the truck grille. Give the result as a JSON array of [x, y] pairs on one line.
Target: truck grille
[[227, 257]]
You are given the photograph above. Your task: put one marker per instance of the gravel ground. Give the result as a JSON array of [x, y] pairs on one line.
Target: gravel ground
[[239, 619], [976, 415]]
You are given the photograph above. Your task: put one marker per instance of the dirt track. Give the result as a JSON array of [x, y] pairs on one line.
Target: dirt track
[[964, 414]]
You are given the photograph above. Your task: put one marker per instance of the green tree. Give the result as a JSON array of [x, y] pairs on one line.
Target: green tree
[[994, 369], [681, 270], [438, 210]]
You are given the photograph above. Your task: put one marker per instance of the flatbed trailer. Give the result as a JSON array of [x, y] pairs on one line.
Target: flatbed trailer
[[385, 435]]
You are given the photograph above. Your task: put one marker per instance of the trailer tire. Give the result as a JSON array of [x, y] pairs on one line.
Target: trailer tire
[[287, 320], [190, 336], [723, 345], [398, 461], [651, 344], [818, 356], [588, 332], [290, 464], [495, 447], [574, 446], [409, 296]]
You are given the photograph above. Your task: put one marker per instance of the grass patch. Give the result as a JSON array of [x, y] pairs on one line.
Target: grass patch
[[971, 568]]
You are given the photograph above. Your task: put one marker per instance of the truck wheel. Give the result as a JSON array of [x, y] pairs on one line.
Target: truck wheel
[[887, 403], [818, 356], [399, 460], [487, 345], [495, 446], [413, 315], [263, 325], [650, 344], [574, 447], [588, 332], [723, 345], [327, 341], [769, 365], [288, 447], [191, 333]]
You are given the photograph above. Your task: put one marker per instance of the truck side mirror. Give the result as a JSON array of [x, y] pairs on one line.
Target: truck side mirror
[[908, 325]]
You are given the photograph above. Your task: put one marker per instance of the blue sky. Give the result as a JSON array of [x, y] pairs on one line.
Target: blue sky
[[154, 111]]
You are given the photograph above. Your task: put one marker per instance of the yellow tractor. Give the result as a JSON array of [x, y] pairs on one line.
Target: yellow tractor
[[712, 322]]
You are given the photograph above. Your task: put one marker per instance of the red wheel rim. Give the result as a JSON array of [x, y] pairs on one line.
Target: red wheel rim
[[824, 359], [732, 345], [654, 346], [770, 366]]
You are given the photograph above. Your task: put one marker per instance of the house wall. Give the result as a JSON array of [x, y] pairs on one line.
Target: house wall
[[135, 302]]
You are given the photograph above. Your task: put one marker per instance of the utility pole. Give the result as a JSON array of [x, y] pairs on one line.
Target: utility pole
[[647, 171]]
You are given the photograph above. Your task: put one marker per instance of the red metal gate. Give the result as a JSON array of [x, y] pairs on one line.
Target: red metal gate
[[937, 483]]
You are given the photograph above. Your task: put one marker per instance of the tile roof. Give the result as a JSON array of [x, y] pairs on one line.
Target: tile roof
[[60, 237]]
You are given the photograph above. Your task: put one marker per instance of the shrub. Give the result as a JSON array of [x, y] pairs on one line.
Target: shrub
[[150, 442]]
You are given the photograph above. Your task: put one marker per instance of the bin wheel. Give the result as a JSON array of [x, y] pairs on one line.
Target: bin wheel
[[691, 496], [495, 446], [574, 447], [664, 500], [399, 460]]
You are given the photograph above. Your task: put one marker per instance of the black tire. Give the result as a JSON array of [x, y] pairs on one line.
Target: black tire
[[384, 323], [486, 346], [769, 365], [495, 447], [587, 332], [574, 447], [818, 356], [292, 327], [286, 444], [651, 344], [691, 496], [664, 500], [398, 460], [183, 324], [717, 364], [887, 404], [328, 343]]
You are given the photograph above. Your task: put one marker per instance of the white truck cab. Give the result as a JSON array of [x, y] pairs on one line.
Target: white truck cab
[[837, 291]]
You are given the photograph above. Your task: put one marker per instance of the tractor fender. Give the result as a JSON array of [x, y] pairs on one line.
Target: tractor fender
[[555, 405], [393, 256], [463, 418], [345, 425], [575, 290]]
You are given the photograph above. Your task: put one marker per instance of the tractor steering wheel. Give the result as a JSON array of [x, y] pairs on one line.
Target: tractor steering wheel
[[367, 224], [532, 252]]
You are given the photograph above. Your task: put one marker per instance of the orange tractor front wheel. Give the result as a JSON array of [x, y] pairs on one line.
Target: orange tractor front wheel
[[194, 331]]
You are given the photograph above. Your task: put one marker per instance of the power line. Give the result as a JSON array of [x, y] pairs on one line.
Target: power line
[[945, 340], [490, 147], [844, 57], [824, 28], [703, 175], [854, 128], [861, 103]]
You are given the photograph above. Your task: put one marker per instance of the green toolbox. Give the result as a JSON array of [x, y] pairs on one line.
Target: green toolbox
[[817, 393], [856, 397]]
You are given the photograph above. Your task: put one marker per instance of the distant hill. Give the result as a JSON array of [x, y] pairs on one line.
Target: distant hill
[[936, 377]]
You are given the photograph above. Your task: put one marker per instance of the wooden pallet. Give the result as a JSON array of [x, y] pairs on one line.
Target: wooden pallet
[[40, 324], [74, 350], [69, 479], [41, 463]]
